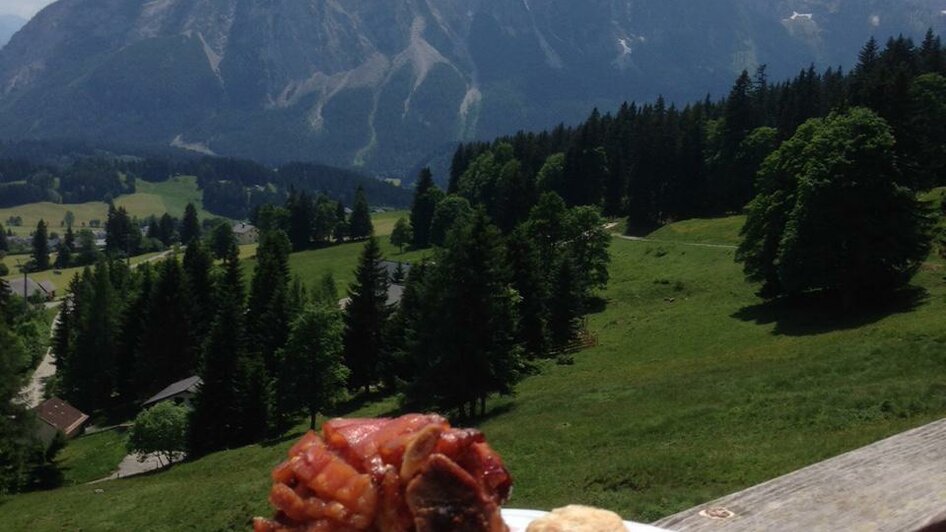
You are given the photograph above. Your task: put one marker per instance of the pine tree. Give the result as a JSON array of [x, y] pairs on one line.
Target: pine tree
[[268, 322], [133, 321], [166, 229], [313, 375], [402, 234], [365, 317], [167, 349], [215, 421], [532, 289], [222, 241], [301, 219], [190, 225], [422, 210], [40, 248], [198, 266], [360, 226], [122, 237], [341, 224], [66, 248], [4, 245], [467, 349], [93, 364], [326, 292], [565, 302]]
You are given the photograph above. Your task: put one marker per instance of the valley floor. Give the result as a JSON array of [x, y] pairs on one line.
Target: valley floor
[[696, 390]]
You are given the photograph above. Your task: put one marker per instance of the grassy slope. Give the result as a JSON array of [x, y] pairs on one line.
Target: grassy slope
[[697, 390], [92, 457], [171, 196]]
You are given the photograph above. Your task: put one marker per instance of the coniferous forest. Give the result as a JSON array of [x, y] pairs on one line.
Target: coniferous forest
[[658, 162]]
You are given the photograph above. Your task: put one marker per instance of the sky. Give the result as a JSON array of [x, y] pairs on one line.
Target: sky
[[22, 8]]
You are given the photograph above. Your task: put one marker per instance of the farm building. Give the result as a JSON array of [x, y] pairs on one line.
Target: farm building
[[245, 233], [27, 287], [55, 415], [181, 392]]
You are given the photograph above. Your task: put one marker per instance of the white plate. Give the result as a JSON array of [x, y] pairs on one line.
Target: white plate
[[518, 520]]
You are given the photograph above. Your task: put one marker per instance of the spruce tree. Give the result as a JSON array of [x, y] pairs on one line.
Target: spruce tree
[[326, 292], [93, 364], [190, 225], [565, 302], [468, 349], [340, 231], [360, 226], [301, 219], [40, 248], [215, 421], [422, 210], [134, 320], [532, 289], [4, 245], [402, 235], [268, 313], [198, 266], [166, 229], [365, 317], [66, 248], [167, 349]]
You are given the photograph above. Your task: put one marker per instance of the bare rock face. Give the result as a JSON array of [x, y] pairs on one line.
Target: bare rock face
[[385, 85]]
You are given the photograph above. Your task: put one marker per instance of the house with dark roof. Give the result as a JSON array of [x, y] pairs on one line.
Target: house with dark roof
[[395, 294], [245, 233], [181, 392], [55, 415]]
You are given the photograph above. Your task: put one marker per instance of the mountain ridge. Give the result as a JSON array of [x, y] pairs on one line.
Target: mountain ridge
[[384, 87]]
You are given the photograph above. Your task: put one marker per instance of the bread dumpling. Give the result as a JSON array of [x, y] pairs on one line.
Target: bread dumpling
[[575, 518]]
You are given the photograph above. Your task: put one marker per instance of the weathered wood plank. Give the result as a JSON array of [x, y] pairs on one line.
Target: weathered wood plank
[[892, 485]]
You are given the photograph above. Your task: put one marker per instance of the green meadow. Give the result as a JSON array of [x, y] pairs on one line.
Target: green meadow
[[697, 389], [170, 196]]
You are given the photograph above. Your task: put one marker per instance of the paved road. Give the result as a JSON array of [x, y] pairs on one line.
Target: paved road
[[32, 393], [132, 465]]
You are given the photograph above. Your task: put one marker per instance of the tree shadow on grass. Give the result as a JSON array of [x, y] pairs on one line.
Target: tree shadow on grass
[[819, 313]]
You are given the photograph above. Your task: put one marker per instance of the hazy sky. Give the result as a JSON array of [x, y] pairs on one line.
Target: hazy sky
[[23, 8]]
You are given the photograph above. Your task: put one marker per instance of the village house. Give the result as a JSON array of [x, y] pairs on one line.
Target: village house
[[245, 233], [55, 415], [181, 393]]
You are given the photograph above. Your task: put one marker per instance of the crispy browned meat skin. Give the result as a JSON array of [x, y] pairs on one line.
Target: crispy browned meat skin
[[391, 475]]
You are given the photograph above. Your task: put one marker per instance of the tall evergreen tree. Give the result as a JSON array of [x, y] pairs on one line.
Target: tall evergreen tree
[[365, 317], [215, 422], [301, 219], [422, 210], [360, 226], [268, 314], [4, 245], [131, 383], [222, 241], [166, 229], [167, 349], [468, 349], [532, 289], [190, 225], [93, 365], [121, 235], [67, 247], [565, 302], [40, 247], [340, 231], [198, 266]]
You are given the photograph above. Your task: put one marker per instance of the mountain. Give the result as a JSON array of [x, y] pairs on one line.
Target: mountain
[[9, 24], [384, 85]]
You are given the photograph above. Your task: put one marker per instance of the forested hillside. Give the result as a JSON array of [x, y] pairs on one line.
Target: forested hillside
[[657, 162]]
